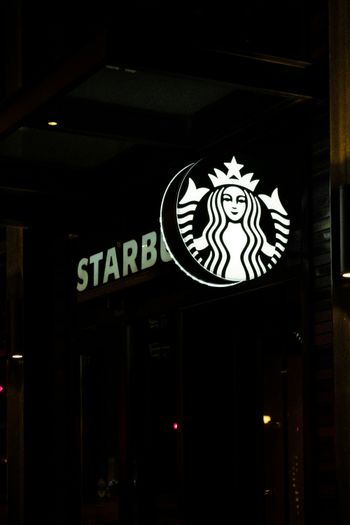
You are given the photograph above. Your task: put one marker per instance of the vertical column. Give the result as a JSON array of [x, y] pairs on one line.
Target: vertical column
[[14, 340], [339, 40]]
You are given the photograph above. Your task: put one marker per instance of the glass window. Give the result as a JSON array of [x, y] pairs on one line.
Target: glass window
[[130, 430], [195, 415], [103, 428]]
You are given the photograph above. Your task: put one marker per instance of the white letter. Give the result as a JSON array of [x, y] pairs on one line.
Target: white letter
[[111, 265], [129, 256], [149, 251], [95, 259], [164, 254], [82, 274]]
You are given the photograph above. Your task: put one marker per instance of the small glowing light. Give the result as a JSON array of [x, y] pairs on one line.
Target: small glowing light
[[17, 356], [1, 388], [346, 275], [52, 123], [266, 419], [175, 426]]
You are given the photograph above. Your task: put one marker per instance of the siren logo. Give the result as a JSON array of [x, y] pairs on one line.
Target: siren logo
[[218, 229]]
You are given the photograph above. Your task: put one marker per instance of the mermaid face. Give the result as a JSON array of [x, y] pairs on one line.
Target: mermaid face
[[234, 203]]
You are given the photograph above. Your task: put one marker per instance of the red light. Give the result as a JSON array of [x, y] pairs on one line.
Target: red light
[[1, 388], [175, 426]]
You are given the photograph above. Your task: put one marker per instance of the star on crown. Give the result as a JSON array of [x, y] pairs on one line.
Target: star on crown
[[233, 170]]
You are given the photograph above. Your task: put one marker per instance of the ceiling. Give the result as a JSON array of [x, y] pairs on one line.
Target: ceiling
[[133, 97]]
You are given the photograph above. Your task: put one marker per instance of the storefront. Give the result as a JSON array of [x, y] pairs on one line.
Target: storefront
[[192, 393], [167, 396], [168, 269]]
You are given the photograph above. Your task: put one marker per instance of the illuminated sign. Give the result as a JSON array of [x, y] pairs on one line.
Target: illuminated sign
[[218, 229], [120, 261]]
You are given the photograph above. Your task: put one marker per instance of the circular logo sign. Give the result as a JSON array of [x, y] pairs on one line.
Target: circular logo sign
[[218, 228]]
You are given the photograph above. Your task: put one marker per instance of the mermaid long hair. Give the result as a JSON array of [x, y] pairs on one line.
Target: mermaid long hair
[[219, 256]]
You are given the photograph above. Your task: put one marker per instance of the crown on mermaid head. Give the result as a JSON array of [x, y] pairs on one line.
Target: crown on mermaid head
[[233, 176]]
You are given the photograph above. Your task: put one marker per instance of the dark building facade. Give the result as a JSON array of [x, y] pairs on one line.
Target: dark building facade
[[160, 363]]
